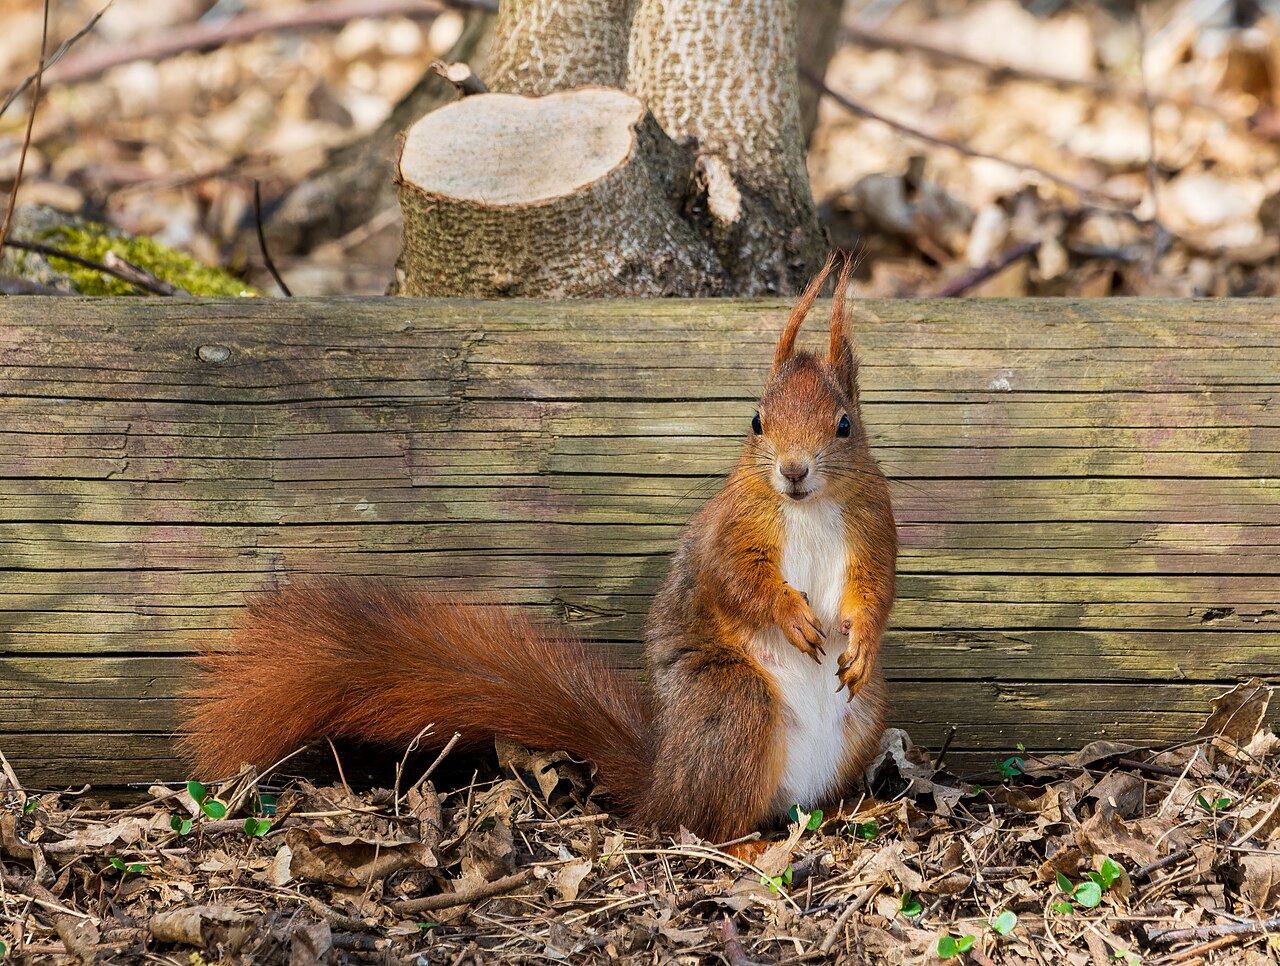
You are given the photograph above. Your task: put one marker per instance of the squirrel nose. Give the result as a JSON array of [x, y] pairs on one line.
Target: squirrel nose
[[794, 470]]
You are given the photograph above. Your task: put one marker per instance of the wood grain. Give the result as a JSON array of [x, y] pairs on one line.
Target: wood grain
[[1087, 492]]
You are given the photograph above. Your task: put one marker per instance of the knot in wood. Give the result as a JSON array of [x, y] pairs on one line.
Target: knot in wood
[[213, 354]]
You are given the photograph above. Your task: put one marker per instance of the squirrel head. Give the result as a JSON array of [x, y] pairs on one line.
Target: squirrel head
[[807, 438]]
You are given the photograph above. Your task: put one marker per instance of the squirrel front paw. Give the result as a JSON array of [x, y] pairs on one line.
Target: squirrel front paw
[[855, 664], [799, 625]]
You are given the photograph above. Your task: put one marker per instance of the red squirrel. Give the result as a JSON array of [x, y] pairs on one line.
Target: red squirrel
[[764, 687]]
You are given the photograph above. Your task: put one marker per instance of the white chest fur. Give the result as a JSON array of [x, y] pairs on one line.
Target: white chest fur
[[814, 715]]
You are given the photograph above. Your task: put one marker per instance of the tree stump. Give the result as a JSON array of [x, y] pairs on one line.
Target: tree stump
[[569, 195]]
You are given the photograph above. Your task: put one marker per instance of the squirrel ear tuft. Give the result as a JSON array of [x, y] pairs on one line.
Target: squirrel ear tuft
[[787, 341], [841, 357]]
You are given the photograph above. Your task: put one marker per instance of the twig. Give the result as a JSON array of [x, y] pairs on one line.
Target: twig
[[31, 122], [1100, 198], [1172, 858], [457, 736], [51, 252], [262, 239], [413, 745], [13, 779], [837, 927], [461, 76], [891, 41], [1149, 767], [734, 951], [1194, 952], [979, 275], [338, 761], [56, 56], [464, 897], [1253, 928], [203, 36], [140, 276], [946, 744]]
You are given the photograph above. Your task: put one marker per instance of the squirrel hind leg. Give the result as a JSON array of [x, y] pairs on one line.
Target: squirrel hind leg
[[721, 753]]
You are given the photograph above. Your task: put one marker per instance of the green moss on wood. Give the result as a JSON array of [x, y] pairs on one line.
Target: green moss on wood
[[93, 241]]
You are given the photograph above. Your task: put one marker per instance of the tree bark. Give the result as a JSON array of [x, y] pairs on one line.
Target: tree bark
[[725, 74], [541, 46], [562, 196]]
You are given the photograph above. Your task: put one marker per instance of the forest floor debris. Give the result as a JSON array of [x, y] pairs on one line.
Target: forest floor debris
[[1106, 158], [1113, 854]]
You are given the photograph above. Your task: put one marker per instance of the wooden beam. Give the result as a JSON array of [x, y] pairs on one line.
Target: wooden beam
[[1087, 492]]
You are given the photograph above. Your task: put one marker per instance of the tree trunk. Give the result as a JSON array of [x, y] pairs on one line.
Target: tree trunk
[[541, 46], [725, 74], [733, 215]]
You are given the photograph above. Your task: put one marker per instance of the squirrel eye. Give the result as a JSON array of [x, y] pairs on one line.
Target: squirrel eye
[[842, 427], [755, 425]]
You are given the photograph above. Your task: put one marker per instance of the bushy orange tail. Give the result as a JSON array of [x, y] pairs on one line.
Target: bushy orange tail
[[365, 661]]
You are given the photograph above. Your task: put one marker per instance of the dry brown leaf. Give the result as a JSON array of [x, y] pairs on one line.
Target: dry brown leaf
[[1261, 881], [189, 925], [568, 878], [1106, 834], [1121, 792], [311, 943], [1237, 716], [321, 855]]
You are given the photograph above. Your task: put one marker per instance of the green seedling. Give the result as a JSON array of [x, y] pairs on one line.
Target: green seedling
[[256, 828], [949, 946], [1004, 923], [181, 825], [811, 823], [1086, 894], [1107, 874], [776, 882], [909, 907], [128, 868], [30, 805], [210, 806], [1217, 805], [1126, 956], [865, 830], [1011, 768]]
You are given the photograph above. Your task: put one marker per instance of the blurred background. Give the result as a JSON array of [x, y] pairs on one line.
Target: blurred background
[[989, 148]]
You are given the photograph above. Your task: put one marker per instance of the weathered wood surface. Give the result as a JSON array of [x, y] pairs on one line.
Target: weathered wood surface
[[1088, 492]]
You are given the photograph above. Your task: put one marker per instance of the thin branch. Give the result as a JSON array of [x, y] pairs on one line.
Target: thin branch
[[461, 76], [48, 251], [879, 40], [202, 36], [1100, 198], [980, 274], [1252, 928], [31, 122], [139, 276], [262, 244], [57, 55], [463, 897]]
